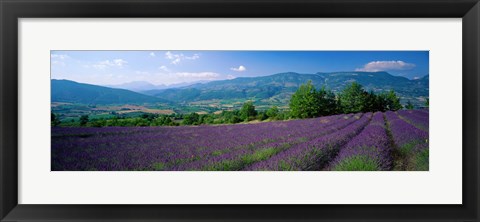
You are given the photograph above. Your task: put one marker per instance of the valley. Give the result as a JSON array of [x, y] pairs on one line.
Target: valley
[[71, 99]]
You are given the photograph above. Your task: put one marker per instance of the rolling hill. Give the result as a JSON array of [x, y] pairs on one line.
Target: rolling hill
[[136, 86], [278, 88], [74, 92], [139, 86]]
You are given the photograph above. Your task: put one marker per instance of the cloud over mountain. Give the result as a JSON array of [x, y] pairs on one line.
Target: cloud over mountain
[[376, 66], [239, 69]]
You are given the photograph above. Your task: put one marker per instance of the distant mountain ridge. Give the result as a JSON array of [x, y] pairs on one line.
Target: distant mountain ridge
[[140, 86], [74, 92], [279, 87], [137, 86]]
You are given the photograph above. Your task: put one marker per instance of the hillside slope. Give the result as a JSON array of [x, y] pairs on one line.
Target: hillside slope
[[74, 92]]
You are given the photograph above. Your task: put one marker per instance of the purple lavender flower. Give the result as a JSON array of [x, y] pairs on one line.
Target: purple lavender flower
[[369, 150]]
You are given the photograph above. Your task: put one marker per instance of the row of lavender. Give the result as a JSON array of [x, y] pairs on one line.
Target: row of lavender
[[409, 130], [168, 148], [314, 154], [394, 141], [240, 157], [370, 150], [341, 142]]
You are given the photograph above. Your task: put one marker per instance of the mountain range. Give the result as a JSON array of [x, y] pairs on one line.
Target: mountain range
[[279, 87], [272, 89], [139, 86]]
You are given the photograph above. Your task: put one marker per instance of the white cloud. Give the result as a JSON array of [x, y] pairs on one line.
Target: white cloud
[[56, 62], [177, 58], [416, 77], [194, 57], [176, 61], [164, 68], [59, 56], [170, 55], [56, 59], [376, 66], [239, 69], [152, 54], [231, 77], [119, 63]]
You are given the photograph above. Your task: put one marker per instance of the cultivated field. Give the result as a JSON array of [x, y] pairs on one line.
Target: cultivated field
[[362, 141]]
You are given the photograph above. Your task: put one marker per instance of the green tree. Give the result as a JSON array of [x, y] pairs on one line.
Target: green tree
[[352, 98], [159, 121], [282, 116], [230, 117], [262, 115], [55, 121], [113, 121], [304, 102], [371, 102], [83, 120], [98, 123], [247, 111], [148, 116], [208, 119], [141, 122], [167, 121], [427, 102], [380, 102], [392, 101], [409, 105], [191, 119], [326, 102], [272, 112], [234, 119]]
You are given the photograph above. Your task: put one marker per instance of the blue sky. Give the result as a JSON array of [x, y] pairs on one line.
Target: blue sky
[[173, 67]]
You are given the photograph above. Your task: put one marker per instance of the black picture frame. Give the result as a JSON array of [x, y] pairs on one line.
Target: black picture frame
[[12, 10]]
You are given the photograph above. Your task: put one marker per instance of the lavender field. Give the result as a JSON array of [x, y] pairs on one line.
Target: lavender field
[[379, 141]]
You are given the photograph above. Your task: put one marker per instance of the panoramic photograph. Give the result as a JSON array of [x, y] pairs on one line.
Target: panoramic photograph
[[200, 110]]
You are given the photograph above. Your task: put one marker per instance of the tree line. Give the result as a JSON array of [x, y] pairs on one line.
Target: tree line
[[245, 114], [308, 102]]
